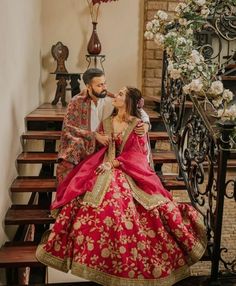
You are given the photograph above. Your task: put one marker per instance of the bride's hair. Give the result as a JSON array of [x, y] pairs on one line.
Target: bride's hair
[[132, 99]]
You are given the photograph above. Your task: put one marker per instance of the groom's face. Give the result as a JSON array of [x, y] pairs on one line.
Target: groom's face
[[98, 87]]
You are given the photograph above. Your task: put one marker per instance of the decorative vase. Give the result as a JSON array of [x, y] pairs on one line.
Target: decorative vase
[[94, 45]]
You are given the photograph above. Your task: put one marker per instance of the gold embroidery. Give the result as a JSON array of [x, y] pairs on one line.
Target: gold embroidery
[[98, 192], [146, 200], [105, 279], [128, 131]]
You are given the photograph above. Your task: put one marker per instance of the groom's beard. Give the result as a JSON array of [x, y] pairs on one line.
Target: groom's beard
[[99, 95]]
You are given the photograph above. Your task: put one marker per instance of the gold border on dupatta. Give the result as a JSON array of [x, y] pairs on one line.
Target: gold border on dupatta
[[147, 201], [128, 131], [95, 197], [99, 190]]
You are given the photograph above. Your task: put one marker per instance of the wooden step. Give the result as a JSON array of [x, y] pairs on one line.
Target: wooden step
[[25, 214], [33, 184], [36, 157], [161, 157], [48, 112], [154, 116], [41, 135], [40, 157], [158, 135], [228, 77], [56, 135], [18, 256], [170, 182]]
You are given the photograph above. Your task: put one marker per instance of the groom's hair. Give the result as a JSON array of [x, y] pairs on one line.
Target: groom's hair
[[89, 74]]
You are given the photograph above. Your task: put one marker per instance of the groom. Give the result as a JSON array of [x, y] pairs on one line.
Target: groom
[[83, 116]]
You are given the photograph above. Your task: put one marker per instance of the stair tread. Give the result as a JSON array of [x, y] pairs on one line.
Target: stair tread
[[48, 112], [170, 182], [163, 156], [24, 214], [37, 157], [41, 135], [21, 184], [18, 256], [158, 135], [153, 135], [228, 77], [27, 184]]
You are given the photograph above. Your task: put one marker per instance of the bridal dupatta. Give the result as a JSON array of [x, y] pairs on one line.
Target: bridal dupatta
[[82, 181]]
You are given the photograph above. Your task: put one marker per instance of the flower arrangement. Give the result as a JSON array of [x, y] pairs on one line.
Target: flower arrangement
[[94, 8], [185, 60]]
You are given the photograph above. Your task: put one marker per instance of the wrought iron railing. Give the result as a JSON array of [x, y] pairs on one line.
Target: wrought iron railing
[[205, 150], [206, 147]]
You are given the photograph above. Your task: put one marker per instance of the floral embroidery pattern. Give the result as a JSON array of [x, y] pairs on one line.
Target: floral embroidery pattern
[[123, 239]]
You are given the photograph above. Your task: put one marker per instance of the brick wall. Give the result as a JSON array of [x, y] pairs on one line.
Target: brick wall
[[152, 56]]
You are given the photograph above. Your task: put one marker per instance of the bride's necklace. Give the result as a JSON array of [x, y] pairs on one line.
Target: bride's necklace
[[119, 124], [121, 119]]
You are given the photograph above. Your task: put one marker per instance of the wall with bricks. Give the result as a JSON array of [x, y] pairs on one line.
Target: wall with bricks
[[152, 55]]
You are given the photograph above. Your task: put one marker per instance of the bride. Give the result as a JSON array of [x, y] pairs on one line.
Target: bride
[[115, 223]]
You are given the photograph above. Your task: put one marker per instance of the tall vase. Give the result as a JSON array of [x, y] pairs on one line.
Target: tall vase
[[94, 45]]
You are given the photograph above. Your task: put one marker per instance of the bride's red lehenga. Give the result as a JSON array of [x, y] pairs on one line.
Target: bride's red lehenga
[[122, 228]]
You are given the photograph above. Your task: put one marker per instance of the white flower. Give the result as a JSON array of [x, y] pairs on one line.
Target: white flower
[[148, 35], [229, 113], [205, 11], [216, 87], [156, 23], [172, 35], [175, 73], [217, 102], [159, 39], [181, 40], [228, 95], [190, 67], [196, 85], [200, 68], [162, 15], [149, 26], [180, 7], [200, 2], [183, 21], [186, 89], [189, 32], [195, 57]]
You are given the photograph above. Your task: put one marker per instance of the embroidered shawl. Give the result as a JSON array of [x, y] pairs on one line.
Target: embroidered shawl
[[77, 141]]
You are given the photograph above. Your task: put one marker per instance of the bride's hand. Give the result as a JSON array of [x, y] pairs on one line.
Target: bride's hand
[[102, 139], [103, 167]]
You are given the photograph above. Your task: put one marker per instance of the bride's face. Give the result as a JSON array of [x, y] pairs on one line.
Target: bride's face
[[119, 99]]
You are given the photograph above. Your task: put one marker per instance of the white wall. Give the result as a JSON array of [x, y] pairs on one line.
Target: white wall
[[20, 85], [120, 32]]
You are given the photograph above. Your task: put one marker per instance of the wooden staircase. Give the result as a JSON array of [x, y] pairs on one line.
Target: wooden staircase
[[45, 124]]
